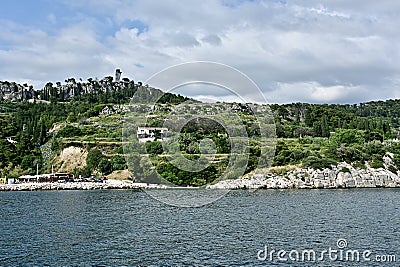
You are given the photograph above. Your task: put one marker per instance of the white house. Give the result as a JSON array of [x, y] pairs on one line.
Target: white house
[[145, 134], [10, 140]]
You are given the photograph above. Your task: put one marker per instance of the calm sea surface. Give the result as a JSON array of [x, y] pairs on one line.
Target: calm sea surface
[[130, 228]]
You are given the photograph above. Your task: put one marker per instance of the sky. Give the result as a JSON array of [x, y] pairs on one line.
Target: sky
[[295, 51]]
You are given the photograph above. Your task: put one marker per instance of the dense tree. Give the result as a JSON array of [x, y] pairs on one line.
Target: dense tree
[[105, 166], [154, 148], [93, 159], [118, 162]]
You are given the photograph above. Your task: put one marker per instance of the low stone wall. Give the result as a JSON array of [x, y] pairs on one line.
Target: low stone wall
[[316, 179]]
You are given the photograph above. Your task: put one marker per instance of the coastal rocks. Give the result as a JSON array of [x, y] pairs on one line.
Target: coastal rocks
[[109, 184], [341, 176]]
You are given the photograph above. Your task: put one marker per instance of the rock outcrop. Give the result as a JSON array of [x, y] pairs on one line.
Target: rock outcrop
[[16, 92], [71, 158], [341, 176]]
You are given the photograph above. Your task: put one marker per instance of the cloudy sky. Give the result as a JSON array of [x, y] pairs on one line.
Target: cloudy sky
[[332, 51]]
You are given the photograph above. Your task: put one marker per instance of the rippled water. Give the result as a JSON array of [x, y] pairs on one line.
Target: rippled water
[[130, 228]]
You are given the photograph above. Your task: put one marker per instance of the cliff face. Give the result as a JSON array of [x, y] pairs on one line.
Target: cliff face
[[16, 92], [71, 158]]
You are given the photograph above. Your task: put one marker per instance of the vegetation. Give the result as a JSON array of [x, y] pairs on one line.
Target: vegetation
[[310, 135]]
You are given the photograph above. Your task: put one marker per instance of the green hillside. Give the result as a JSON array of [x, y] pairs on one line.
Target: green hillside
[[36, 133]]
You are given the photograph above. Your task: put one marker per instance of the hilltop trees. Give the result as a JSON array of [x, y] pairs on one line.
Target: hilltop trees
[[298, 120]]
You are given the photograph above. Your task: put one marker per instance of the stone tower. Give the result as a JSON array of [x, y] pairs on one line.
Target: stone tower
[[117, 75]]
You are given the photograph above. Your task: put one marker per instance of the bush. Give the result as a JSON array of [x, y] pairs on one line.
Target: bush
[[72, 117], [29, 162], [347, 137], [105, 166], [351, 153], [289, 154], [84, 172], [119, 150], [70, 131], [154, 148], [280, 170], [374, 148], [118, 162], [318, 162], [377, 164], [392, 168], [93, 158], [55, 145], [371, 136], [359, 164], [396, 160], [345, 169]]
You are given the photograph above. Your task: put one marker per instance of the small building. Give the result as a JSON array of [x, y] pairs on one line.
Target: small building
[[28, 179], [3, 180], [145, 134], [55, 177], [10, 140]]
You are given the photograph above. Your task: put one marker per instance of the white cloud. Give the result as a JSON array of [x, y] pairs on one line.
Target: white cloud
[[314, 92], [52, 18]]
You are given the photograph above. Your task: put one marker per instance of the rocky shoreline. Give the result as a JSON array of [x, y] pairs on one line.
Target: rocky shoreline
[[341, 176], [109, 184]]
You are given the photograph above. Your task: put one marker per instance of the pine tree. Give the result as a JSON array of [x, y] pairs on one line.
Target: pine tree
[[324, 127]]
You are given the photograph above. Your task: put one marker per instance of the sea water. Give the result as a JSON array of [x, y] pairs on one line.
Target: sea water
[[243, 228]]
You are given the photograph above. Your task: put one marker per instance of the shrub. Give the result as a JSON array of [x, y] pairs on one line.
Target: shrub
[[318, 162], [359, 164], [392, 168], [348, 137], [118, 162], [374, 148], [281, 170], [93, 158], [345, 169], [377, 164], [154, 148], [119, 150], [396, 160], [70, 131], [105, 166], [84, 172]]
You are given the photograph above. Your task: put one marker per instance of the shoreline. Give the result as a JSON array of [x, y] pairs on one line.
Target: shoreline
[[335, 178], [109, 184], [342, 176], [275, 184]]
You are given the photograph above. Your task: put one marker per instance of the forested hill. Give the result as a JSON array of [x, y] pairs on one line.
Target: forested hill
[[33, 122], [301, 119], [89, 115], [106, 90]]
